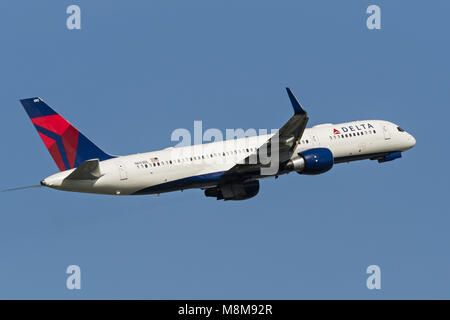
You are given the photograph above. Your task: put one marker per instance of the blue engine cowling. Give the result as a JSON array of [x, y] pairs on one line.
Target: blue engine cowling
[[316, 160]]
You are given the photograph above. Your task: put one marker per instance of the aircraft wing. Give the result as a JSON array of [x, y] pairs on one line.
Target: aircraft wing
[[283, 143]]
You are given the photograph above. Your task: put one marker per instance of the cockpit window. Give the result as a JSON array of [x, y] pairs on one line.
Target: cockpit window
[[400, 129]]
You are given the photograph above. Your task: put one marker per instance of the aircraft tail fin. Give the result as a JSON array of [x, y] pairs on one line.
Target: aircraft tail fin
[[68, 147]]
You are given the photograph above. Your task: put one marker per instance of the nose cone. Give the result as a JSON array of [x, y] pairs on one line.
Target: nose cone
[[411, 142]]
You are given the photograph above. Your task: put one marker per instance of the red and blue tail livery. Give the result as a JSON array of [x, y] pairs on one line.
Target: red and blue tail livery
[[68, 147]]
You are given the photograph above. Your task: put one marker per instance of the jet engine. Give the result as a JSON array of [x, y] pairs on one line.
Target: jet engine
[[312, 161], [234, 191]]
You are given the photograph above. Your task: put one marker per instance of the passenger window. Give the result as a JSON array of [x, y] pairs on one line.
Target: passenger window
[[374, 131]]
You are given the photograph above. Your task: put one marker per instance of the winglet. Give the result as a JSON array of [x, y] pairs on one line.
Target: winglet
[[295, 104]]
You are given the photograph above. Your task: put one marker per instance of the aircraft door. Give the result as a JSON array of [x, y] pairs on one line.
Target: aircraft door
[[386, 132], [122, 171], [313, 140]]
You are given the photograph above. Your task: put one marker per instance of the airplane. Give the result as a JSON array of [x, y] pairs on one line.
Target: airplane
[[225, 170]]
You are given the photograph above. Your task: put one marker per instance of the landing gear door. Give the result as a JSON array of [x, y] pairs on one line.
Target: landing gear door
[[122, 171], [386, 132]]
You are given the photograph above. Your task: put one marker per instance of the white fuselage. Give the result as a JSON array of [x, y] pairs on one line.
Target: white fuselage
[[200, 166]]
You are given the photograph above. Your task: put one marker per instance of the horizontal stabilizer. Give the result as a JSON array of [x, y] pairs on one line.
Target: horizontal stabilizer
[[88, 170]]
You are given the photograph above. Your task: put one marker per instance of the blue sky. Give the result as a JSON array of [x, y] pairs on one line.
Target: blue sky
[[138, 70]]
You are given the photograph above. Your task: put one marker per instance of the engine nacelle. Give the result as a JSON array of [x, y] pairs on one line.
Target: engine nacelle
[[312, 161], [234, 191]]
